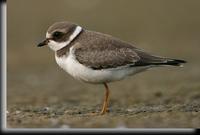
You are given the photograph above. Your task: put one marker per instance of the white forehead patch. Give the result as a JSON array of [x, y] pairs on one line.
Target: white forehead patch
[[48, 35], [58, 45]]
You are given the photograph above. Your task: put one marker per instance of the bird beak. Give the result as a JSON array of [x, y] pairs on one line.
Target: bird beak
[[43, 43]]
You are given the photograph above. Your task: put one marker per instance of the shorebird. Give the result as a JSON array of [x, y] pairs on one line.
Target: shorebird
[[99, 58]]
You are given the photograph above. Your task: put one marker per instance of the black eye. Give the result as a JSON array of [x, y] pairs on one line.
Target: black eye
[[57, 34]]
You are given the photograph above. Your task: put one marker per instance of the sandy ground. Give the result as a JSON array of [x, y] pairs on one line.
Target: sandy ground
[[156, 98]]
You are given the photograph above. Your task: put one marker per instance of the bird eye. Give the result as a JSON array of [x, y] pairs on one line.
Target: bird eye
[[57, 34]]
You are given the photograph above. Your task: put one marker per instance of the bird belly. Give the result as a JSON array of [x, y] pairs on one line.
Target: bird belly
[[86, 74]]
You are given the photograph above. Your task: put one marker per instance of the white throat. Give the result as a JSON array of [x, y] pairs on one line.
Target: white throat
[[57, 46]]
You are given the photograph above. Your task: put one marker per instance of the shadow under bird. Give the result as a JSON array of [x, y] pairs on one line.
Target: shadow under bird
[[99, 58]]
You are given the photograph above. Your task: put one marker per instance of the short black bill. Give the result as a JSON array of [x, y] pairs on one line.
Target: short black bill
[[43, 43]]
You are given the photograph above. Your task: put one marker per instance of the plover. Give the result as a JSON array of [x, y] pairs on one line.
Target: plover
[[99, 58]]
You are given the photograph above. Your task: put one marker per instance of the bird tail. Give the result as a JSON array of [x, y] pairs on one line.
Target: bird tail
[[171, 62], [175, 62], [147, 59]]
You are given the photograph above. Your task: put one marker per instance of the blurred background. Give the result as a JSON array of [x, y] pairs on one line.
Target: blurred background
[[162, 97]]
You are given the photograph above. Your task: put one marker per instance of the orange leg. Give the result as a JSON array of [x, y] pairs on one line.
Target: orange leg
[[106, 100]]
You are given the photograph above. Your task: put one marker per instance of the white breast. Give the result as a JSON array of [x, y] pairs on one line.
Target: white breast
[[81, 72]]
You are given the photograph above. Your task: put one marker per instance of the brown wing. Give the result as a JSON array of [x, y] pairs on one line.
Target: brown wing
[[102, 51], [106, 55]]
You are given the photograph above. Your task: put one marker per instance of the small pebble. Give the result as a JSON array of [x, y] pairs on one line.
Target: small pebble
[[46, 109], [129, 110], [17, 112]]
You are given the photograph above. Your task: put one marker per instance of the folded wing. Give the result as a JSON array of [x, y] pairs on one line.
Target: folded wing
[[106, 52]]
